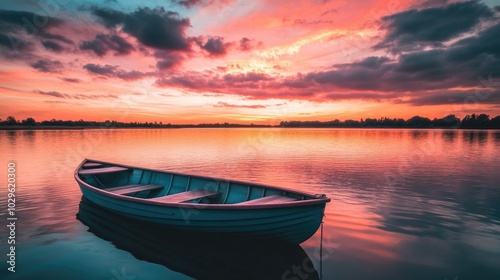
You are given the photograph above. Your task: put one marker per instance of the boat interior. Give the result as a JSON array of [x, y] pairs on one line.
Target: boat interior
[[177, 188]]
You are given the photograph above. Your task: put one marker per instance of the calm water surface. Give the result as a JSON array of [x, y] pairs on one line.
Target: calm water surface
[[406, 204]]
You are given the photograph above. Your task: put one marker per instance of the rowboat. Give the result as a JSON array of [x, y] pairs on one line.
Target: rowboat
[[197, 255], [202, 204]]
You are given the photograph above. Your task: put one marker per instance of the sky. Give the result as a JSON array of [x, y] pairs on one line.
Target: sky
[[259, 61]]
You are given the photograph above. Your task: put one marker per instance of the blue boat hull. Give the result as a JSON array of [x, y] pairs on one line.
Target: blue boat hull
[[292, 222], [292, 225]]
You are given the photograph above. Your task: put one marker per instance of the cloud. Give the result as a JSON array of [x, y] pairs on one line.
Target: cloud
[[372, 62], [14, 24], [420, 76], [12, 43], [130, 75], [246, 44], [103, 43], [75, 96], [57, 37], [214, 46], [114, 72], [29, 21], [200, 81], [415, 29], [20, 32], [48, 66], [154, 28], [70, 80], [246, 77], [106, 70], [193, 3], [445, 97], [52, 46], [305, 22], [109, 18], [168, 60], [227, 105], [188, 3], [52, 93], [486, 42]]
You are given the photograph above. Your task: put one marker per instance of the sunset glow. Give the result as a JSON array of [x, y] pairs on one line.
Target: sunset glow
[[262, 62]]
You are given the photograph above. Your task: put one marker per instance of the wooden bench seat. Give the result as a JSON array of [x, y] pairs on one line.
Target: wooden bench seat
[[185, 196], [272, 199], [92, 164], [101, 170], [129, 189]]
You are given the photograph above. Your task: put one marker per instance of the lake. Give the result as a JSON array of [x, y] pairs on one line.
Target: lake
[[406, 204]]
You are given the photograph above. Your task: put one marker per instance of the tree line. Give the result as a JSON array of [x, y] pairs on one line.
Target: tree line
[[12, 122], [450, 121], [480, 121]]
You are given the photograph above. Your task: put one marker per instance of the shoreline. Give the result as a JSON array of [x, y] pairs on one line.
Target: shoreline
[[15, 128]]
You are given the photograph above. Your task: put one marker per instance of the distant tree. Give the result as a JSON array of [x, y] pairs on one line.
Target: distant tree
[[10, 121], [469, 121], [29, 122], [483, 118], [495, 122], [418, 122], [450, 121], [371, 122]]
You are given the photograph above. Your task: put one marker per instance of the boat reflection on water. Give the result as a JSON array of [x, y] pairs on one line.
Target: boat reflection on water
[[197, 255]]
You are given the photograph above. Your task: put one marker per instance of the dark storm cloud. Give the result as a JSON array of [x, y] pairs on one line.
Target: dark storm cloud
[[155, 28], [48, 66], [415, 29], [103, 43]]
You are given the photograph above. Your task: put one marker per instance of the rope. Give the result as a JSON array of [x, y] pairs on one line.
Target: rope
[[321, 254]]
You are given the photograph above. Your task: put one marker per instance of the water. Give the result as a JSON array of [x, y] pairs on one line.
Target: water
[[406, 204]]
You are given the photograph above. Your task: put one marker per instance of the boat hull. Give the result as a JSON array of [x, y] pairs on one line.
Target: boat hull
[[202, 204], [290, 224]]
